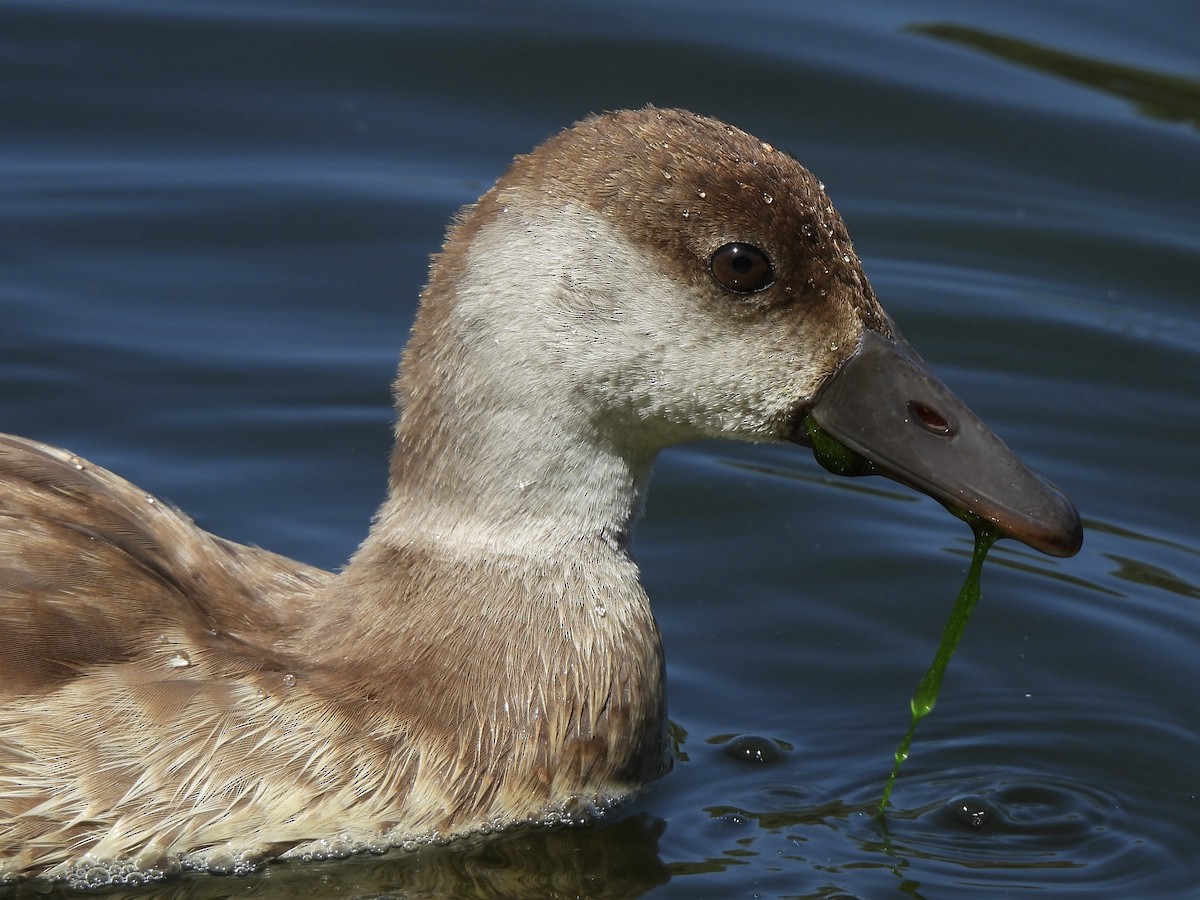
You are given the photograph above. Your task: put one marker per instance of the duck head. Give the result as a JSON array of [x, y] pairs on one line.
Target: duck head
[[651, 277]]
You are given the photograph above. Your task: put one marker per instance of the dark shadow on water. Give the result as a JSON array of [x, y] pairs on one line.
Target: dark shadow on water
[[1143, 573], [1172, 98], [612, 860]]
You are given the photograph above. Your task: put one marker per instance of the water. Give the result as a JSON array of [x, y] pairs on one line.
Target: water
[[214, 222]]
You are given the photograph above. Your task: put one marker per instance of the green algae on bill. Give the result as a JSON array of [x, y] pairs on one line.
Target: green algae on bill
[[925, 697], [841, 460], [832, 454]]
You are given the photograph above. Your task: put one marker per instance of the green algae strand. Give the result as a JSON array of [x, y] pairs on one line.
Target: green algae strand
[[926, 694], [834, 456]]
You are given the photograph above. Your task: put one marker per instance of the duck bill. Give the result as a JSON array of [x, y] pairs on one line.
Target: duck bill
[[896, 418]]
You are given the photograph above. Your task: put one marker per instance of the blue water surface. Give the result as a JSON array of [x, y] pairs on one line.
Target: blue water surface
[[215, 220]]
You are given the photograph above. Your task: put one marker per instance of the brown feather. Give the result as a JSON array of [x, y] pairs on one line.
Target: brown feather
[[488, 656]]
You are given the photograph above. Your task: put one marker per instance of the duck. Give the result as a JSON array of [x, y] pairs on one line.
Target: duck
[[171, 700]]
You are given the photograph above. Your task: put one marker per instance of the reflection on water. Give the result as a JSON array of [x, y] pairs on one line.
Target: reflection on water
[[602, 863], [1152, 576], [1170, 97], [1035, 825], [1045, 826]]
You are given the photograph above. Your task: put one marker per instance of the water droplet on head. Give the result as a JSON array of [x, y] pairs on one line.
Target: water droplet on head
[[703, 194], [179, 660], [78, 463], [768, 199], [289, 680]]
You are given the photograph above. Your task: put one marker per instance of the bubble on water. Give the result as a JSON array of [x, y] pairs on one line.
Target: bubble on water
[[93, 874], [220, 861], [343, 847], [970, 811], [754, 748], [225, 860]]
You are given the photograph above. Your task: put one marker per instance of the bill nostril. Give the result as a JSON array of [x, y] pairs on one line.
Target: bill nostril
[[928, 418]]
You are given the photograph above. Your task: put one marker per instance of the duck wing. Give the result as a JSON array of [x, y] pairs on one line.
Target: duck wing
[[94, 571]]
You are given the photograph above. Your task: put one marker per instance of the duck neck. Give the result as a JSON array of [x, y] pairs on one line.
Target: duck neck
[[498, 579], [503, 466], [511, 480], [493, 502], [499, 440]]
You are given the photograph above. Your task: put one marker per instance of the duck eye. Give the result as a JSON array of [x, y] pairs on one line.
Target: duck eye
[[742, 268]]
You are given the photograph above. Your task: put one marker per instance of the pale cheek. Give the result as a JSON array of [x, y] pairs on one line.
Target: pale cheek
[[588, 316]]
